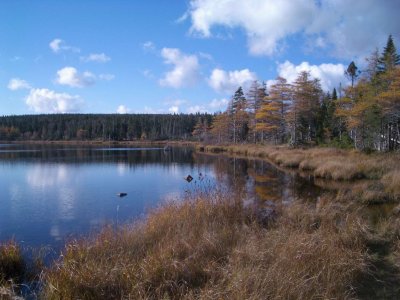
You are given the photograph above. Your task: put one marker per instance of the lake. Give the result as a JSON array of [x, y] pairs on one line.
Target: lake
[[51, 193]]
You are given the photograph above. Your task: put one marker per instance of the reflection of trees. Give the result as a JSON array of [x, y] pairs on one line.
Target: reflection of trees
[[232, 172], [134, 157], [268, 181], [258, 179], [261, 181]]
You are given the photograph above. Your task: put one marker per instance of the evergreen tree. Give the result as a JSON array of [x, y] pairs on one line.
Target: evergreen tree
[[389, 101], [352, 72], [302, 115], [239, 116], [389, 58], [334, 94]]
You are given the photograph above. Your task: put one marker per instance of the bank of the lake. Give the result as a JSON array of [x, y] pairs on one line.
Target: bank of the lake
[[211, 245], [381, 170]]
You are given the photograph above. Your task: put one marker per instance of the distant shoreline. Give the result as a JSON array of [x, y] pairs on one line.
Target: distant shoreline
[[94, 142]]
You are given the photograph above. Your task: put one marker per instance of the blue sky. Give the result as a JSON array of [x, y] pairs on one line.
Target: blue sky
[[103, 56]]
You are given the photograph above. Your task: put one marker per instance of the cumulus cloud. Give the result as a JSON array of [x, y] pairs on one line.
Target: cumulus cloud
[[174, 109], [227, 82], [18, 84], [106, 77], [185, 71], [48, 101], [71, 77], [196, 109], [218, 104], [122, 109], [177, 102], [148, 46], [58, 45], [150, 110], [350, 30], [331, 75], [96, 57]]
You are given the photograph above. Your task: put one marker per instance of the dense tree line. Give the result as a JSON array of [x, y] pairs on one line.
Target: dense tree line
[[100, 126], [366, 116]]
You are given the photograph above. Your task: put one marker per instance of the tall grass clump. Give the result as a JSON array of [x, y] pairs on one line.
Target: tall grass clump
[[12, 269], [308, 254], [12, 266], [391, 182], [211, 247], [176, 251]]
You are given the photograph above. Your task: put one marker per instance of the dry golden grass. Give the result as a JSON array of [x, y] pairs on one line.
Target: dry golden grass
[[12, 269], [7, 293], [391, 181], [12, 266], [291, 263], [331, 164], [210, 247], [178, 248]]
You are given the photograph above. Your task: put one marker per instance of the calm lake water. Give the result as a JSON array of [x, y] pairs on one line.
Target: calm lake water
[[49, 194]]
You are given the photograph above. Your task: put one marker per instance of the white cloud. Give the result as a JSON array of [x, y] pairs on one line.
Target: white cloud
[[174, 109], [148, 46], [216, 104], [177, 102], [185, 68], [228, 82], [206, 56], [122, 109], [106, 77], [48, 101], [96, 57], [350, 30], [71, 77], [55, 45], [196, 109], [331, 75], [149, 110], [58, 45], [18, 84]]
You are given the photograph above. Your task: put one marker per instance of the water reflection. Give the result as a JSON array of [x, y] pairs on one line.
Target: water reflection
[[50, 193], [46, 175], [262, 182]]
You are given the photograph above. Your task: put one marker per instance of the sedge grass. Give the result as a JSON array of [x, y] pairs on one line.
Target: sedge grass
[[211, 247]]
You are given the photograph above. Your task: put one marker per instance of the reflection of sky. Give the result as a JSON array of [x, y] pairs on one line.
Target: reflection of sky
[[47, 200], [46, 175]]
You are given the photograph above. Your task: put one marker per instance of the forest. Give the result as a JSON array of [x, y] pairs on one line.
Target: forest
[[364, 115], [102, 127]]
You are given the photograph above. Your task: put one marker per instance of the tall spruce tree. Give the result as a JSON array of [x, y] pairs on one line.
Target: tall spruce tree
[[239, 116], [352, 72], [389, 58]]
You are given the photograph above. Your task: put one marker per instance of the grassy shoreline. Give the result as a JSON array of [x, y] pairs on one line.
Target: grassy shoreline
[[374, 178], [210, 246]]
